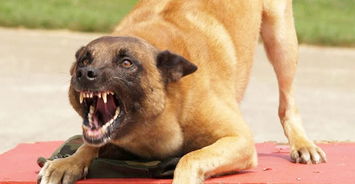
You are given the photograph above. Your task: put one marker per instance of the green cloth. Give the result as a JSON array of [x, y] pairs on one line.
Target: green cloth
[[114, 162]]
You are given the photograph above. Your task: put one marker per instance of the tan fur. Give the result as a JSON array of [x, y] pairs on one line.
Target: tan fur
[[200, 116]]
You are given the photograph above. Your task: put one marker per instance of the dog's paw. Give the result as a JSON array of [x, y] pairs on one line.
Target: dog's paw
[[188, 171], [308, 154], [65, 171]]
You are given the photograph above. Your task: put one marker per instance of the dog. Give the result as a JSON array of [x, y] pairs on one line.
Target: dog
[[168, 82]]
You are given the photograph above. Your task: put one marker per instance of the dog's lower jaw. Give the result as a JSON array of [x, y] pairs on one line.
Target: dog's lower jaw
[[97, 145]]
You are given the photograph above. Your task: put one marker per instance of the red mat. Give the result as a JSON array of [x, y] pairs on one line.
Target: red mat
[[19, 166]]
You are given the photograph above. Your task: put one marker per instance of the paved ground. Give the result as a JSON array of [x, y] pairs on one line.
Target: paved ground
[[34, 79]]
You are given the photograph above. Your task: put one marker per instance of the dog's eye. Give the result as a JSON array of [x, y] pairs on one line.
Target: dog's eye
[[85, 62], [126, 63]]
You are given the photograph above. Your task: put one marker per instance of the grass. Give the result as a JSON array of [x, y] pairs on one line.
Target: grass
[[78, 15], [319, 22], [325, 22]]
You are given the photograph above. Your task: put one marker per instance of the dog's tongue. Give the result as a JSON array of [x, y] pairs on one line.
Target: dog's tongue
[[104, 112]]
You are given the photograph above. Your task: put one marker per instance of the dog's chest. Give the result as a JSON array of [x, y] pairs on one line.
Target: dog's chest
[[153, 141]]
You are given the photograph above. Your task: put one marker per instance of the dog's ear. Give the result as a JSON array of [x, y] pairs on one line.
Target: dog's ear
[[78, 56], [173, 66], [80, 53]]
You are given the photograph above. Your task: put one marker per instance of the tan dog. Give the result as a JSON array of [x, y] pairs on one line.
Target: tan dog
[[133, 93]]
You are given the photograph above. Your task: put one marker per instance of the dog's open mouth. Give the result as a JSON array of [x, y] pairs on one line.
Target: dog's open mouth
[[102, 111]]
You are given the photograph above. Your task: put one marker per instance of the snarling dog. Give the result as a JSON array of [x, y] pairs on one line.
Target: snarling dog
[[168, 82]]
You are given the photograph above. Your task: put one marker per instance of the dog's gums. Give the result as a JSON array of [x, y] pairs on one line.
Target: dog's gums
[[102, 112]]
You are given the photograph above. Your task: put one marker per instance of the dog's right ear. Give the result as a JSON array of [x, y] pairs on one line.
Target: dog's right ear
[[78, 56], [80, 53], [173, 67]]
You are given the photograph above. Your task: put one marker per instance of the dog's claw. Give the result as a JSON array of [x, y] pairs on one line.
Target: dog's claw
[[61, 171], [308, 155]]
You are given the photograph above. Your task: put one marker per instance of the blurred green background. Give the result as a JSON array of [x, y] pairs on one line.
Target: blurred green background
[[318, 22]]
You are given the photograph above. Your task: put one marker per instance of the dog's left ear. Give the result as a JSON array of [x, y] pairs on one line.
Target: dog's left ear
[[173, 67]]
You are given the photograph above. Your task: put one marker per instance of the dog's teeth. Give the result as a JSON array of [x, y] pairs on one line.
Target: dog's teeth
[[117, 112], [91, 95], [99, 94], [106, 125], [109, 123], [85, 127], [81, 97], [104, 97], [92, 109], [90, 114], [90, 118]]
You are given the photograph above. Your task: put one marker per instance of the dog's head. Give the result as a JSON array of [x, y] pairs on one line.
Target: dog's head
[[121, 80]]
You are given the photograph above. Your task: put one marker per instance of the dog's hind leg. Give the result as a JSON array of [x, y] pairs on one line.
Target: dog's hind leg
[[280, 41]]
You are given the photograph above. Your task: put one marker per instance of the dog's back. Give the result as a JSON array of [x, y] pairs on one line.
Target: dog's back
[[222, 33]]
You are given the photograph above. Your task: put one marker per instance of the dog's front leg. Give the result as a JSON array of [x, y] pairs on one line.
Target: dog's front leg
[[68, 170], [225, 155], [280, 39]]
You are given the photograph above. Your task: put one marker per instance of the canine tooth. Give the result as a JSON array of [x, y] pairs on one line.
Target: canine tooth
[[90, 118], [106, 125], [104, 97], [102, 130], [81, 97], [91, 95], [92, 109], [99, 95], [109, 123], [85, 127], [117, 112]]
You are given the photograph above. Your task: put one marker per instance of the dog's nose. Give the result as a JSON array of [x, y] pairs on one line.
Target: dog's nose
[[86, 73]]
